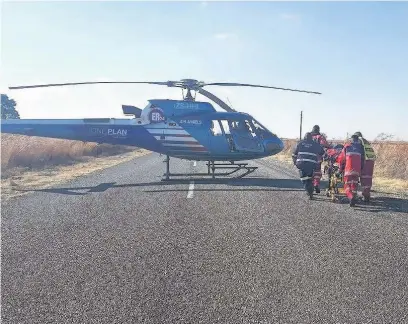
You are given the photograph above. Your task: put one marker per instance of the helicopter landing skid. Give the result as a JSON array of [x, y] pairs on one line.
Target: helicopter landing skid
[[212, 166]]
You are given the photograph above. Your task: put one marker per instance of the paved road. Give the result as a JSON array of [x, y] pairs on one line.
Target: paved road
[[122, 247]]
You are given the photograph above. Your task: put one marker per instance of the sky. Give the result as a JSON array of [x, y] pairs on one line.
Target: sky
[[355, 53]]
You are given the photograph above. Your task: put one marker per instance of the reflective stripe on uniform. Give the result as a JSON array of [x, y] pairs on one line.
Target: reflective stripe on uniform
[[368, 150], [308, 153], [366, 176], [305, 178], [351, 181], [353, 153], [305, 160]]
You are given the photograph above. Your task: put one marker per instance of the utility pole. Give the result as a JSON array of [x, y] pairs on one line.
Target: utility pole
[[301, 121]]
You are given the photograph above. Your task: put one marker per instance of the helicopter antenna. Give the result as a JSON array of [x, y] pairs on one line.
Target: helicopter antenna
[[230, 103]]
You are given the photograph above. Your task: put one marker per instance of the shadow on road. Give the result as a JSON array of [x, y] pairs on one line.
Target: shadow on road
[[376, 205], [385, 204], [267, 184]]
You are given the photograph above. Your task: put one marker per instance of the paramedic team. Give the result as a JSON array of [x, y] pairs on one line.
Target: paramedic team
[[357, 163]]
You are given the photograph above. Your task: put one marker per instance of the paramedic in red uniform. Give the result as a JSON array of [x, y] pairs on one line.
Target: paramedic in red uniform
[[366, 178], [319, 138], [352, 162]]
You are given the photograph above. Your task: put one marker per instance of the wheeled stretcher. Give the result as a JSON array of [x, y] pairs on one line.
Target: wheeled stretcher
[[331, 168]]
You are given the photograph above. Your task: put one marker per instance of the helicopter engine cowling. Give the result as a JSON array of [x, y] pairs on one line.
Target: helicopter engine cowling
[[131, 110]]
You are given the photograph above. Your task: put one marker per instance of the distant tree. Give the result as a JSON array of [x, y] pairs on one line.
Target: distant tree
[[8, 108], [384, 137]]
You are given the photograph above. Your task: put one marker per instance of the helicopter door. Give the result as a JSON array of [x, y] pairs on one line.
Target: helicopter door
[[227, 134], [244, 137], [219, 136]]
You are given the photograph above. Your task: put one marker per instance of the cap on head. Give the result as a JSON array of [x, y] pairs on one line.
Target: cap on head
[[358, 134], [316, 129], [308, 136]]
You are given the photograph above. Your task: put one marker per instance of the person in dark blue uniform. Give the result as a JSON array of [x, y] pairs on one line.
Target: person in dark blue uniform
[[306, 155]]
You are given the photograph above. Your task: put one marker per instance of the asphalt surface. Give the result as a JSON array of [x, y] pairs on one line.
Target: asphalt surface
[[120, 246]]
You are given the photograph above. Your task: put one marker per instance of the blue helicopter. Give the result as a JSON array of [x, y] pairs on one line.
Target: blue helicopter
[[185, 129]]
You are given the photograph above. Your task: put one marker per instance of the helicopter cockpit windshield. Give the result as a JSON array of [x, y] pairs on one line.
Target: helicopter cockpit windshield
[[261, 130]]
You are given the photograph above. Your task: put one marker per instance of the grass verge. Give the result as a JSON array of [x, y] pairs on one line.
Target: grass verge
[[34, 162]]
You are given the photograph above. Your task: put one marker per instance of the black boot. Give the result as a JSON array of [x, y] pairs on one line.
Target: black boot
[[353, 201], [310, 191], [317, 189]]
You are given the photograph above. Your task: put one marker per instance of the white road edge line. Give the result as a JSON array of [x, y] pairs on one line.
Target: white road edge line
[[191, 190], [195, 163]]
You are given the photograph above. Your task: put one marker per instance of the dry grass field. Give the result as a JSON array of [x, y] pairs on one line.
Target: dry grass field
[[35, 162], [19, 152], [391, 166]]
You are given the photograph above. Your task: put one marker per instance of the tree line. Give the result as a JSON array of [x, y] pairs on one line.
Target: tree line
[[8, 108]]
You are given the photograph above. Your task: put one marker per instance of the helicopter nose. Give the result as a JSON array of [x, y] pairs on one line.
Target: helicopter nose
[[273, 146]]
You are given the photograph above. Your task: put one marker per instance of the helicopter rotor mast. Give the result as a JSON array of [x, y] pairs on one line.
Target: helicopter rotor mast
[[188, 84]]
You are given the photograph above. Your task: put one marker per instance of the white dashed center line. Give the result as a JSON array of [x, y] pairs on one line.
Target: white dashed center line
[[191, 187], [191, 190]]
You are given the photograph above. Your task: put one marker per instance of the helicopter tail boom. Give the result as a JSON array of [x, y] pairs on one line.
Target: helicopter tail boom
[[98, 130]]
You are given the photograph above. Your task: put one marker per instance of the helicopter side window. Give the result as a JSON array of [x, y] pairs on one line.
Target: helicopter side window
[[258, 128], [250, 128], [225, 126], [241, 128], [216, 128], [262, 130]]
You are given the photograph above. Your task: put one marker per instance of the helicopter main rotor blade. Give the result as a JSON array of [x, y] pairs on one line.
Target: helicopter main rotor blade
[[256, 86], [167, 83], [186, 84]]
